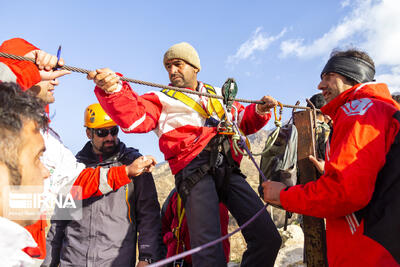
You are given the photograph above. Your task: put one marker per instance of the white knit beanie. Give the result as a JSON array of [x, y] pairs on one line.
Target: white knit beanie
[[185, 52]]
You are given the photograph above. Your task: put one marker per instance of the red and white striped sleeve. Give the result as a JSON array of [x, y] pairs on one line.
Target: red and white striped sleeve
[[133, 113]]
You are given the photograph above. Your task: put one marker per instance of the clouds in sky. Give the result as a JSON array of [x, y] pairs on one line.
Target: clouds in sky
[[371, 25], [345, 3], [259, 41]]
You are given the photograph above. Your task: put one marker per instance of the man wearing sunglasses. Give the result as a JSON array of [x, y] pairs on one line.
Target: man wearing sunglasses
[[116, 217], [104, 140]]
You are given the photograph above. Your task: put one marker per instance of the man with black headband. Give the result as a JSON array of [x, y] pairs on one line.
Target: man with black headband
[[358, 192]]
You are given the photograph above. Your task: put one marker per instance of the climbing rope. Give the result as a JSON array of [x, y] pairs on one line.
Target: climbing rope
[[80, 70]]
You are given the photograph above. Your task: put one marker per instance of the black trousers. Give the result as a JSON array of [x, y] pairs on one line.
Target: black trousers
[[202, 213]]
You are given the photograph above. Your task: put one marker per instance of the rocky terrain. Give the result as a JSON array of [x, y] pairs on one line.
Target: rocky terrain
[[291, 253]]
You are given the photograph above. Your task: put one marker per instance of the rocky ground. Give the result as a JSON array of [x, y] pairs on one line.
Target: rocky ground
[[291, 253]]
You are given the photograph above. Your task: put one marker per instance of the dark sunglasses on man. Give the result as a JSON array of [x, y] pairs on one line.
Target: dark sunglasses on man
[[105, 132]]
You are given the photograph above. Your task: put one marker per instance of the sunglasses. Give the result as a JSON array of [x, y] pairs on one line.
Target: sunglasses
[[105, 132]]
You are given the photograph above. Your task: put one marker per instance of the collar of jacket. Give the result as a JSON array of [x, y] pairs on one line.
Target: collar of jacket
[[122, 154], [374, 90]]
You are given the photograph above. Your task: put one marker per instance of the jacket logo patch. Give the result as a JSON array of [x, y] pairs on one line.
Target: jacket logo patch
[[357, 107]]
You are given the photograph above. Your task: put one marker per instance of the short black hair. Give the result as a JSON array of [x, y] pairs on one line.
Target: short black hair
[[318, 101], [17, 107]]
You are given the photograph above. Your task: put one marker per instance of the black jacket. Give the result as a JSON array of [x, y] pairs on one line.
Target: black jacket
[[107, 233]]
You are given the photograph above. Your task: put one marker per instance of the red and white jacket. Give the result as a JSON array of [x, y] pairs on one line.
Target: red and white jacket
[[180, 129], [363, 132]]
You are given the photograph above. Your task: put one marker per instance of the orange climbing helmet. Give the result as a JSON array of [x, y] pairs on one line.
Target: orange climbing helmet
[[96, 117]]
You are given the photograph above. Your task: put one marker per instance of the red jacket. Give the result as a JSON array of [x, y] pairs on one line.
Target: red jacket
[[363, 132], [26, 74], [170, 223]]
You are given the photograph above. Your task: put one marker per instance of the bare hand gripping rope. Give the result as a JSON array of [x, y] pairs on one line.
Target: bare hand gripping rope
[[80, 70]]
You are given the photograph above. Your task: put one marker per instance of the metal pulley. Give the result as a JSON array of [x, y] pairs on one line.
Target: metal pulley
[[229, 91]]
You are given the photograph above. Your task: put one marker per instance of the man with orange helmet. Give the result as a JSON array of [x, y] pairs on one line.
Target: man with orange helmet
[[116, 217]]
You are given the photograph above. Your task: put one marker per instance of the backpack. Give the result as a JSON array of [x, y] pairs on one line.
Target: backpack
[[279, 163]]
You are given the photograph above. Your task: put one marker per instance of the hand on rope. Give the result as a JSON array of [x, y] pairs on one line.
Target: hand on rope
[[44, 61], [105, 79], [238, 142], [46, 64], [269, 102]]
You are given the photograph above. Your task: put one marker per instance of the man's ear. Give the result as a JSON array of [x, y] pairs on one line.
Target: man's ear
[[89, 133]]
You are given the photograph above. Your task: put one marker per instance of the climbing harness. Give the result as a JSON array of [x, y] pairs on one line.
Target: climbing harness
[[231, 128], [212, 105], [85, 71]]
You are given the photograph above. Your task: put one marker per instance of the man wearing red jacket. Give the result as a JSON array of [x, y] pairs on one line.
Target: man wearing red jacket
[[205, 170], [358, 192], [40, 79]]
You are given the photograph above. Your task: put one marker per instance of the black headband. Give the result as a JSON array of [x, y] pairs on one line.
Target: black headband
[[354, 68]]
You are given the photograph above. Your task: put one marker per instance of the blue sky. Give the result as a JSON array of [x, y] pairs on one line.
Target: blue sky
[[275, 48]]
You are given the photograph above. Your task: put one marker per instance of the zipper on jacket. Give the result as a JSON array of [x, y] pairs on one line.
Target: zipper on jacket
[[127, 202]]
